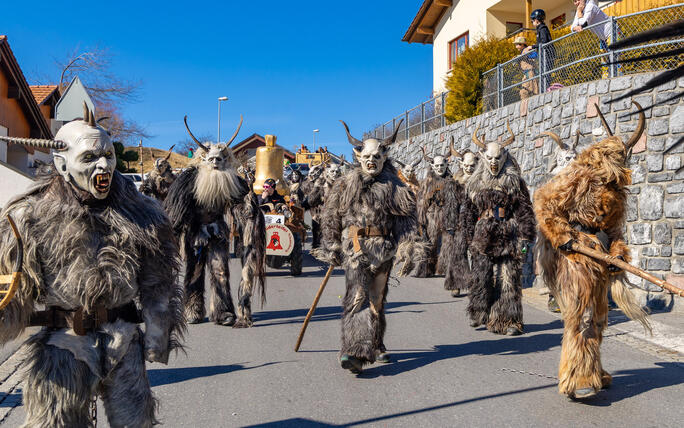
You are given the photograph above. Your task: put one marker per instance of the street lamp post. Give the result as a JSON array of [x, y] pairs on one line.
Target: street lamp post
[[219, 117], [314, 139]]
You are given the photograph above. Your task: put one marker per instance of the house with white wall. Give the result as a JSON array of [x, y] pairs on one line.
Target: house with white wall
[[452, 25]]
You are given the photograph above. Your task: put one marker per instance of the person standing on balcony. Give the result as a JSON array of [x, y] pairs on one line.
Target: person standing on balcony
[[529, 85], [538, 16], [588, 14]]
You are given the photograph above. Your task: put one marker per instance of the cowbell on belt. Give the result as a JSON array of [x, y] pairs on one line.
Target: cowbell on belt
[[356, 232], [83, 322]]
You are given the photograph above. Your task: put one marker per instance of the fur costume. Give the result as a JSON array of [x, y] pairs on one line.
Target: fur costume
[[430, 215], [156, 184], [458, 228], [369, 213], [504, 228], [407, 174], [197, 204], [316, 195], [96, 248], [586, 203]]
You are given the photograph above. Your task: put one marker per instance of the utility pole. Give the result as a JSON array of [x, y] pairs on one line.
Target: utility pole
[[218, 139], [140, 156]]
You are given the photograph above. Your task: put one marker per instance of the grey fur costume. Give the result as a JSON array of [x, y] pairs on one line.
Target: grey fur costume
[[204, 237], [314, 192], [430, 218], [156, 185], [83, 253], [358, 199], [458, 229], [495, 288]]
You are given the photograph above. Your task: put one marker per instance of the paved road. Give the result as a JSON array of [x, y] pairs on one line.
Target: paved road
[[445, 373]]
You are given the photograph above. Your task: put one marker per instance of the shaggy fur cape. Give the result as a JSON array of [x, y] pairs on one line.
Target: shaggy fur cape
[[495, 283], [458, 224], [358, 199], [589, 192], [430, 219], [157, 185]]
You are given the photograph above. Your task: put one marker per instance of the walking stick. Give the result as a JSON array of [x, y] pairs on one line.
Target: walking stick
[[583, 249], [313, 307]]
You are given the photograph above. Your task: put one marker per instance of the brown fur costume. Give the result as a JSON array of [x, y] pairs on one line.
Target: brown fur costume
[[586, 198]]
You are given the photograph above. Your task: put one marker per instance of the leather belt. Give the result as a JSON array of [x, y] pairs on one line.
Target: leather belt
[[356, 232], [498, 213], [83, 322]]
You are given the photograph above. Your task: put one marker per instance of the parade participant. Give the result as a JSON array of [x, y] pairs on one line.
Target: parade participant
[[157, 183], [197, 203], [467, 165], [296, 180], [270, 194], [369, 213], [98, 258], [585, 204], [430, 206], [407, 174], [312, 182], [316, 196], [504, 230], [458, 228]]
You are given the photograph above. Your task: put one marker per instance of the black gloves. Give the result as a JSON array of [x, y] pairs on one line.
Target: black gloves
[[567, 246]]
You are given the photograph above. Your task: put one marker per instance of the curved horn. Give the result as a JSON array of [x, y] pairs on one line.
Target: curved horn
[[185, 120], [576, 142], [603, 121], [392, 138], [91, 120], [511, 138], [478, 142], [36, 142], [640, 127], [452, 151], [555, 138], [416, 163], [102, 119], [86, 111], [353, 141], [236, 132], [427, 158], [166, 158], [401, 164]]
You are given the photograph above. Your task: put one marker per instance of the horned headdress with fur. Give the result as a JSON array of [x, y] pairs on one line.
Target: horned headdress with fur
[[494, 153], [220, 155], [84, 154], [565, 154], [440, 163], [372, 153]]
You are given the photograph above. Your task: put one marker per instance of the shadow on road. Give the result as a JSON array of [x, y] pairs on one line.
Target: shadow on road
[[406, 361], [160, 377], [300, 422], [630, 383]]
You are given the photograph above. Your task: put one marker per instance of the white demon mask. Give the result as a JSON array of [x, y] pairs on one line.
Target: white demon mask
[[162, 165], [408, 170], [84, 154], [565, 153], [332, 172], [371, 153], [315, 172], [217, 156], [468, 163], [440, 163], [494, 154]]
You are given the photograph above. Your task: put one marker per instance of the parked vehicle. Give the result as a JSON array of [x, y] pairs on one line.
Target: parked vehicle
[[135, 177]]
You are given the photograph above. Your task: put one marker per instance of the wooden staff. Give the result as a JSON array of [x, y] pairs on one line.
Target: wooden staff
[[598, 255], [313, 307]]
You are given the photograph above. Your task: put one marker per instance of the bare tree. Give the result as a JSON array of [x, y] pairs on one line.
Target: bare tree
[[108, 91]]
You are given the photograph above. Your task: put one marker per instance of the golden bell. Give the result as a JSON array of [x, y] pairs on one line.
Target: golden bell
[[269, 164]]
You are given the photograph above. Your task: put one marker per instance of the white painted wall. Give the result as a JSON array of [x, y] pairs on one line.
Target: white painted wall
[[13, 183], [70, 105]]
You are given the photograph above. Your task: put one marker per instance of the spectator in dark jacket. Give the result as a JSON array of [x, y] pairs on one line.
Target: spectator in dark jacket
[[538, 17]]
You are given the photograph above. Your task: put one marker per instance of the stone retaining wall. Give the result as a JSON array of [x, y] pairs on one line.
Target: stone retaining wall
[[655, 214]]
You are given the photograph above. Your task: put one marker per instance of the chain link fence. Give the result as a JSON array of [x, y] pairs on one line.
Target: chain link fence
[[582, 57], [422, 118]]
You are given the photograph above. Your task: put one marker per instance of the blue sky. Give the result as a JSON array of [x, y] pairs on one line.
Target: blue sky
[[289, 67]]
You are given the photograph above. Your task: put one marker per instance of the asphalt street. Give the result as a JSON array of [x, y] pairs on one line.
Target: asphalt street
[[444, 373]]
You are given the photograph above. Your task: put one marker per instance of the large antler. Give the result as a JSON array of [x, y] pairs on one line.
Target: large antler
[[392, 138], [353, 141], [555, 138], [640, 128], [168, 155], [185, 120], [452, 151], [427, 158], [235, 133], [14, 279], [511, 138], [477, 141], [603, 121]]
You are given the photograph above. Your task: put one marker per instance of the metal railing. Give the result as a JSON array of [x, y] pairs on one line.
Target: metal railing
[[427, 116], [581, 57]]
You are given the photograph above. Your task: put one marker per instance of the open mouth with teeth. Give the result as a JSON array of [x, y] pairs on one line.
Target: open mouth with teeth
[[371, 165], [102, 182], [494, 168]]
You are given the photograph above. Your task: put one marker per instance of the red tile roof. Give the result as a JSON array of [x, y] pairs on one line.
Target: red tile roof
[[41, 92]]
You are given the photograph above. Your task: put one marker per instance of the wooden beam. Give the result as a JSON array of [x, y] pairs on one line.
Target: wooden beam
[[528, 12], [444, 3], [426, 30]]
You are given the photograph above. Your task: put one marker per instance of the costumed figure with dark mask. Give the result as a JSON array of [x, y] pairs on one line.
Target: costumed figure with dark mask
[[585, 205], [99, 258], [197, 204], [316, 195], [156, 184], [504, 231], [295, 185], [430, 200], [368, 214]]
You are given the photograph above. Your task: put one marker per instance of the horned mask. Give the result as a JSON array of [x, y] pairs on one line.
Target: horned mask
[[494, 154], [565, 154], [332, 172], [84, 154], [372, 153], [162, 165], [408, 169], [629, 145], [467, 161], [218, 156], [440, 164]]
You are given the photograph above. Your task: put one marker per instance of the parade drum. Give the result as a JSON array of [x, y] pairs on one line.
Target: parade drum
[[10, 283], [279, 238]]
